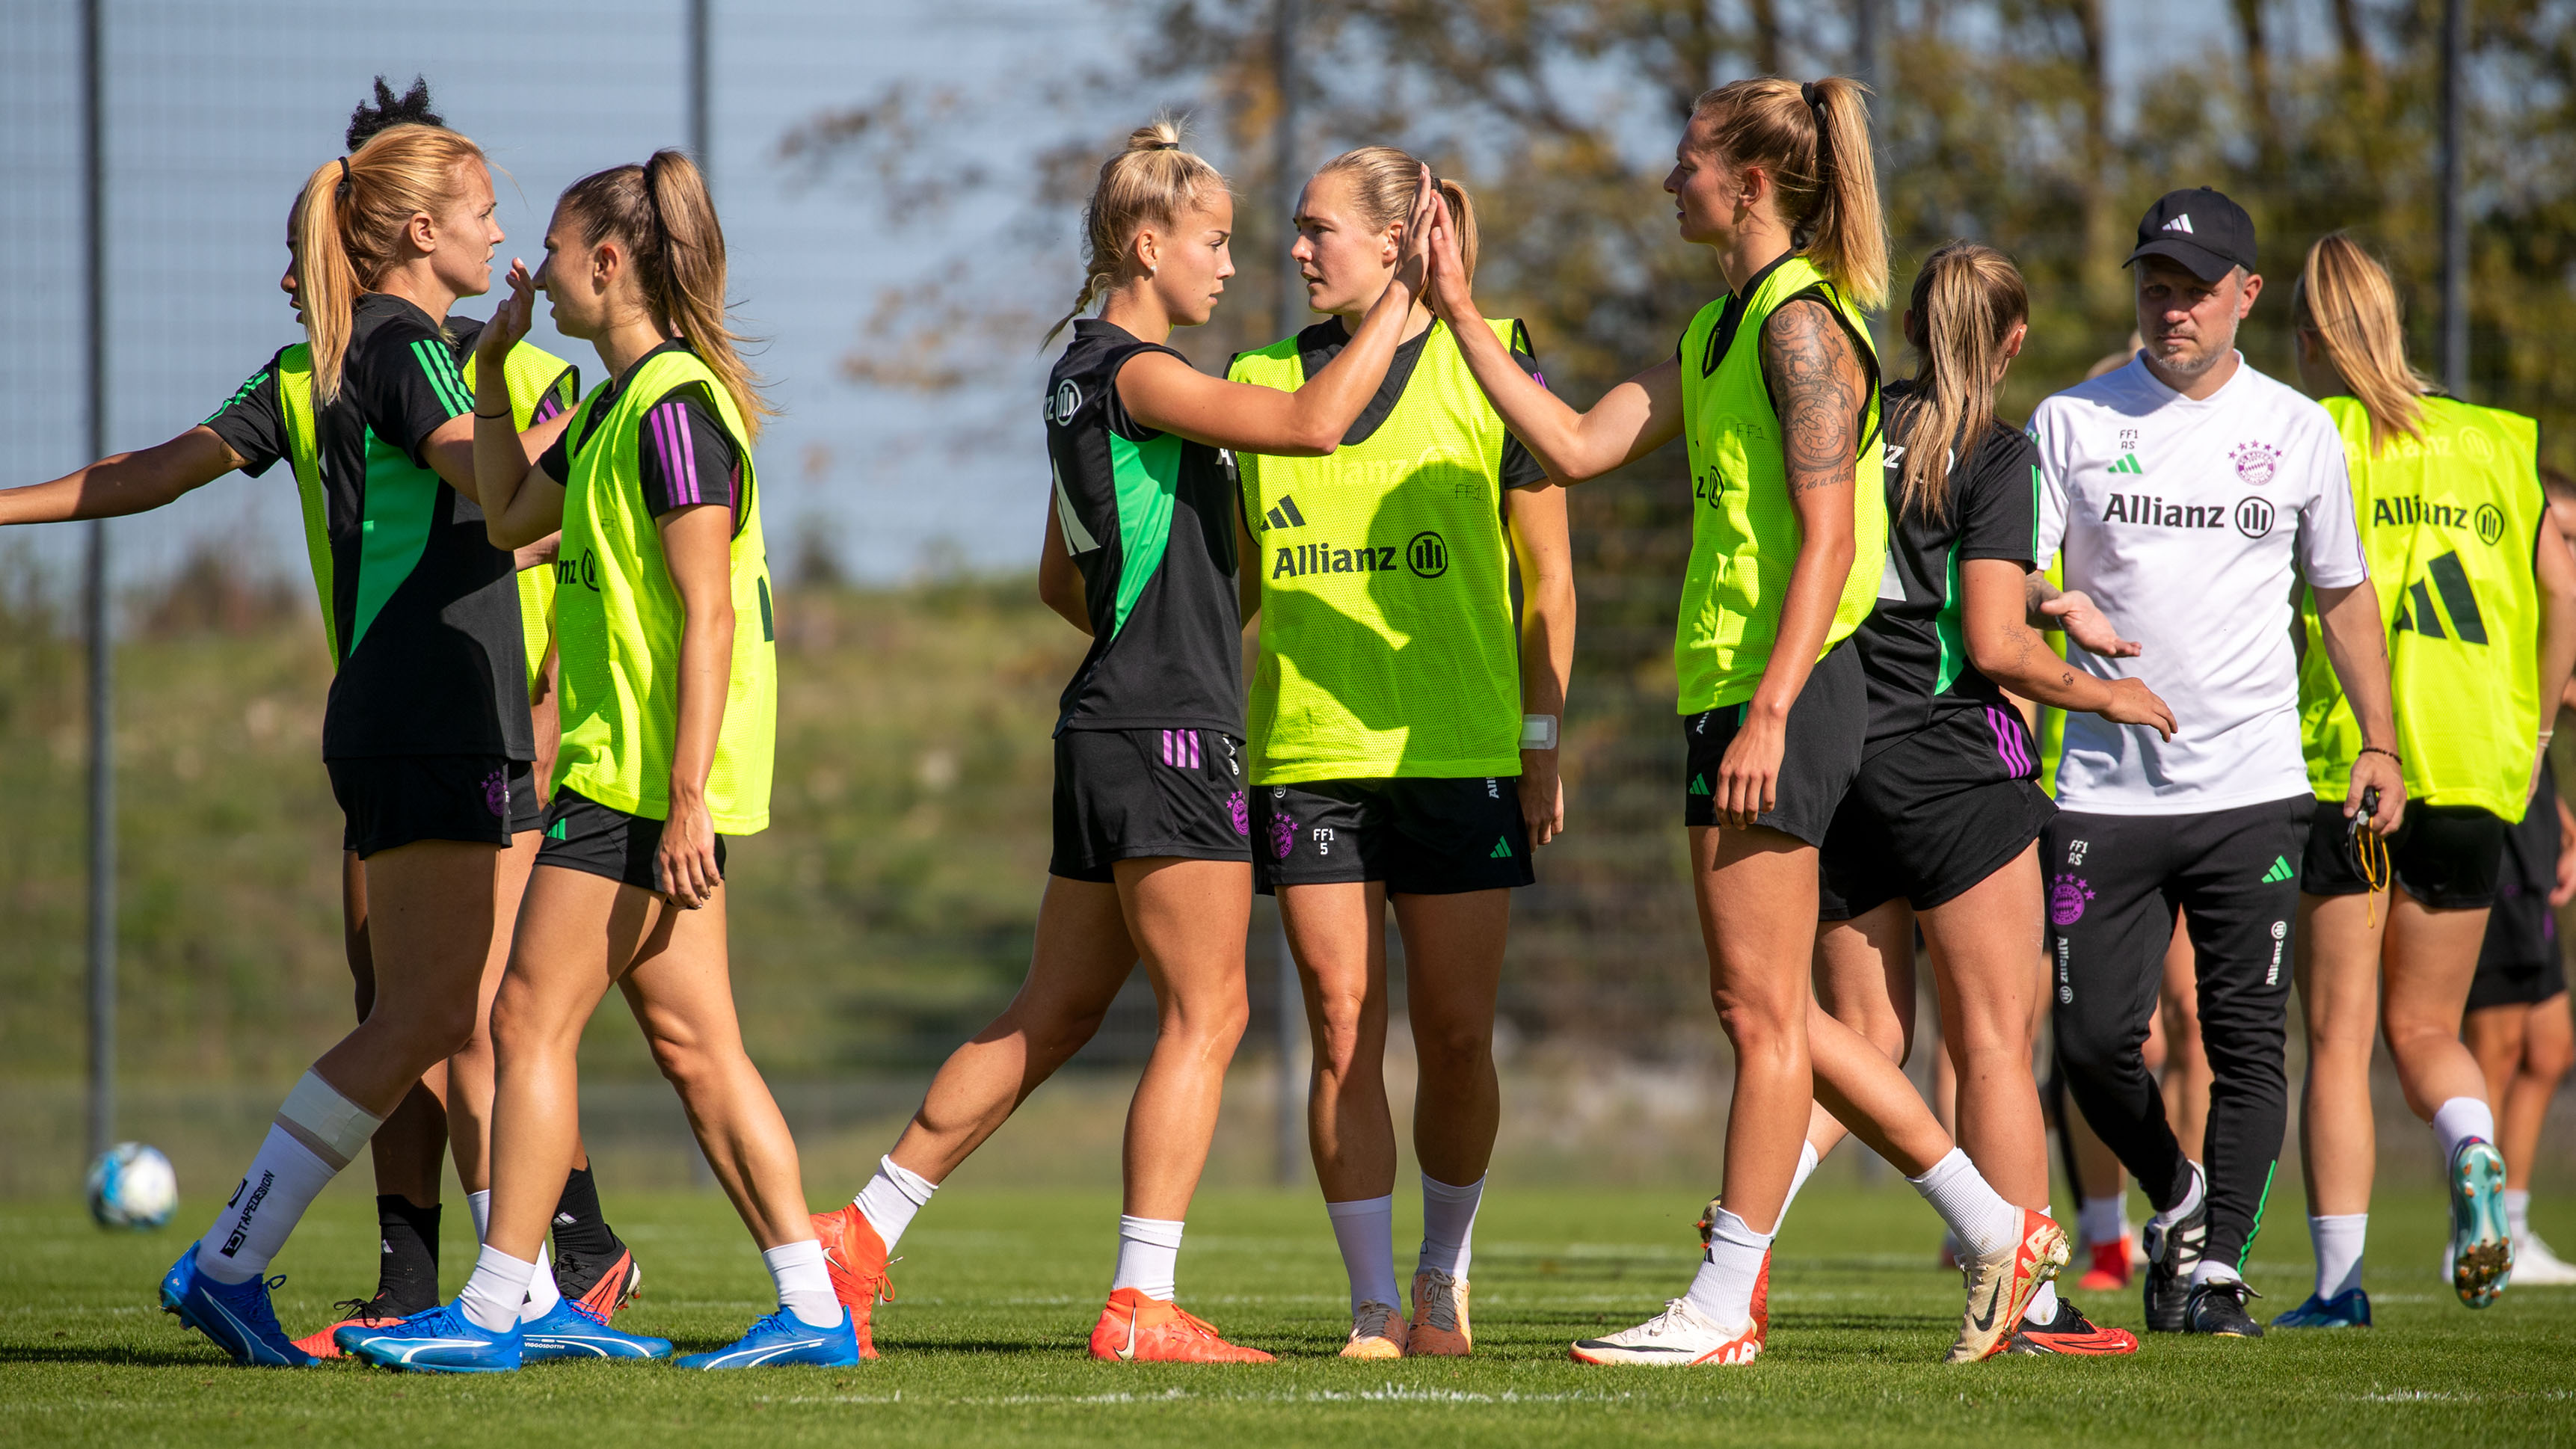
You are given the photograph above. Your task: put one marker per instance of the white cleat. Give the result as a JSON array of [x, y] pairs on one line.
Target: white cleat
[[2534, 1264], [1679, 1337]]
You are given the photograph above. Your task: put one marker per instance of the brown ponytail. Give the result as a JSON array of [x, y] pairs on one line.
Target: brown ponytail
[[662, 214], [354, 211], [1966, 301], [1813, 142], [2344, 300], [1383, 180], [1151, 181]]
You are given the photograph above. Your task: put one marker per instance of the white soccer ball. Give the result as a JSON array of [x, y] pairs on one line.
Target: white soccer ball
[[132, 1187]]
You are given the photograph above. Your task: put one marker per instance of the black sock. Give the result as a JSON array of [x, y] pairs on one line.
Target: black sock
[[581, 1231], [407, 1273]]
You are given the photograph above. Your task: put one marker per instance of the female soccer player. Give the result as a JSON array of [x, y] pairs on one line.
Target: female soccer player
[[1387, 729], [2478, 592], [665, 631], [1941, 824], [427, 734], [1775, 385], [1152, 851]]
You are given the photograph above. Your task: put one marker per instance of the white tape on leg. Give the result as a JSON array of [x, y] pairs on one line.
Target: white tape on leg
[[316, 1111]]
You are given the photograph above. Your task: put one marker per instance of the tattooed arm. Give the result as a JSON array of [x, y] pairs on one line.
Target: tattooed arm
[[1820, 393]]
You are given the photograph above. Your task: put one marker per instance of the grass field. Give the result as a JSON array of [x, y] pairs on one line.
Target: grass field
[[998, 1290]]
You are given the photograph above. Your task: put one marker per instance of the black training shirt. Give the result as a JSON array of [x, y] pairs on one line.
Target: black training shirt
[[685, 455]]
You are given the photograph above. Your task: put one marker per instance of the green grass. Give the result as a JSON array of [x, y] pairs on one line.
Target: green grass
[[999, 1289]]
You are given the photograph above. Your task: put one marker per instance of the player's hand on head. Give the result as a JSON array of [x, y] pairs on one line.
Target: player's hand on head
[[1413, 250], [2083, 622]]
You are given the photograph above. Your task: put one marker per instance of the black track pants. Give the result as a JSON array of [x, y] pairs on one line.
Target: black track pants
[[2114, 882]]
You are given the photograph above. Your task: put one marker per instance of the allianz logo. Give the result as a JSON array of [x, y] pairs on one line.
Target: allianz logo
[[1425, 556], [2486, 519]]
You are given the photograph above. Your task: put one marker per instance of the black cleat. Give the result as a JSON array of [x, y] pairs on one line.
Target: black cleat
[[2172, 1254], [600, 1283], [2217, 1308]]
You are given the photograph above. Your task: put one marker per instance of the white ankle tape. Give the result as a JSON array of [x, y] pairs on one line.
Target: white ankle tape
[[332, 1121]]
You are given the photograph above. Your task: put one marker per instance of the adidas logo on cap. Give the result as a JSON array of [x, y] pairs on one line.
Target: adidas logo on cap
[[2180, 223]]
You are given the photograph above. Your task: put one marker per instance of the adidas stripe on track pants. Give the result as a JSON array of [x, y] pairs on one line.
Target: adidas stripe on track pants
[[2114, 883]]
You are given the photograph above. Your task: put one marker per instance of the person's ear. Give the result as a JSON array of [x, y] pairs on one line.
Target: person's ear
[[2245, 301], [1149, 250], [422, 232], [2014, 339]]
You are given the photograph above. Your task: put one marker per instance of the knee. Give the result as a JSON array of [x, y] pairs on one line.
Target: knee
[[1216, 1024], [2547, 1060], [1758, 1023], [1340, 1023], [685, 1062], [1450, 1050]]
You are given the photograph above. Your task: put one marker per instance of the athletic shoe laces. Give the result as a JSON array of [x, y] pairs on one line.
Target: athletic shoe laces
[[1370, 1321], [1676, 1318], [1439, 1307]]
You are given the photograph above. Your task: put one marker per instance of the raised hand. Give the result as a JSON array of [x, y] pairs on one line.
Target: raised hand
[[1413, 255], [1449, 296], [2083, 623], [510, 322]]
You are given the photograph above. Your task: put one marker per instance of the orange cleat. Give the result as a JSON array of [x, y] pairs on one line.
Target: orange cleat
[[373, 1313], [1377, 1331], [1134, 1328], [2002, 1283], [2110, 1270], [1439, 1317], [603, 1291], [856, 1258]]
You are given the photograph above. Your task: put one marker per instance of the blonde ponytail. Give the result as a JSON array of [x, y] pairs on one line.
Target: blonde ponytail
[[353, 214], [1383, 180], [1965, 304], [663, 215], [1150, 182], [2346, 302], [1813, 142]]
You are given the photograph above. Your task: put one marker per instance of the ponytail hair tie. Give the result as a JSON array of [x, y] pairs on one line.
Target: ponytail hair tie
[[341, 192], [1807, 93]]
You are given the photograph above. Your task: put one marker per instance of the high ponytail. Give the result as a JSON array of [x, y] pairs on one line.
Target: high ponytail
[[1152, 181], [353, 212], [663, 215], [1813, 142], [2345, 301], [1383, 180], [1965, 304]]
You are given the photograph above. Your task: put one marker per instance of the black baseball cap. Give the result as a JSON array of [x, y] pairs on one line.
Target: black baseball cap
[[2199, 228]]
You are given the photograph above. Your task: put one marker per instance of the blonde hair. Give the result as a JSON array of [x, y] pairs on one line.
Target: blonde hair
[[2344, 299], [1151, 181], [1965, 302], [355, 209], [663, 214], [1813, 142], [1383, 180]]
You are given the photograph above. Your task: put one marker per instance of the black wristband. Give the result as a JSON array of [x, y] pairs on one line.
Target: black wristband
[[2376, 750], [496, 417]]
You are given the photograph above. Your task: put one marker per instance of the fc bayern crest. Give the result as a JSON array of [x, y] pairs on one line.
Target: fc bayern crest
[[2257, 462]]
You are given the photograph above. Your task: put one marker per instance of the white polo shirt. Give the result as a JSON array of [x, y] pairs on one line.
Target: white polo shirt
[[2191, 524]]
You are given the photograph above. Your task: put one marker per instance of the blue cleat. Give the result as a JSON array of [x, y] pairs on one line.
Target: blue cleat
[[783, 1338], [440, 1341], [237, 1316], [569, 1330], [2348, 1309], [2481, 1242]]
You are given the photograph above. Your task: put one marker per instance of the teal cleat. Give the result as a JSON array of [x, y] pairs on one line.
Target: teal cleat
[[569, 1330], [237, 1316], [2348, 1309], [2481, 1242], [783, 1338], [440, 1341]]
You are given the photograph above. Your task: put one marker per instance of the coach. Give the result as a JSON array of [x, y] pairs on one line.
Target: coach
[[2190, 496]]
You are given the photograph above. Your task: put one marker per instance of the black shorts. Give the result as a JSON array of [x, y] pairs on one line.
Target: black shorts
[[1422, 837], [1827, 727], [2446, 856], [2519, 962], [1143, 794], [1932, 815], [391, 800], [584, 835]]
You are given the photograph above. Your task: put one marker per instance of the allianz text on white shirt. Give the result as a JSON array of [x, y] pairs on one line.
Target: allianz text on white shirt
[[2191, 523]]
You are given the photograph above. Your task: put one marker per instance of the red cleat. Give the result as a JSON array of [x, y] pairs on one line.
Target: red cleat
[[2071, 1333], [856, 1259], [1134, 1328], [2111, 1265], [373, 1313]]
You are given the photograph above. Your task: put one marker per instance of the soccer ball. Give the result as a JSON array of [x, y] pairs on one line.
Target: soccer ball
[[132, 1187]]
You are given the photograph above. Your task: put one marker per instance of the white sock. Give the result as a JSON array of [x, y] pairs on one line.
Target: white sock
[[2043, 1304], [1149, 1256], [2211, 1270], [1722, 1290], [494, 1295], [891, 1198], [1366, 1231], [2458, 1120], [250, 1228], [2103, 1219], [2517, 1212], [2338, 1241], [2192, 1198], [480, 1204], [1807, 1160], [804, 1284], [543, 1295], [1984, 1222], [1448, 1227]]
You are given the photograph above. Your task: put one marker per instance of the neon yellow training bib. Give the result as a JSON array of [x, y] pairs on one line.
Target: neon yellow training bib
[[618, 618], [1387, 641]]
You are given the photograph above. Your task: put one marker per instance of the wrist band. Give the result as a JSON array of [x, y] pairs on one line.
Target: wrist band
[[496, 417], [2376, 750], [1538, 731]]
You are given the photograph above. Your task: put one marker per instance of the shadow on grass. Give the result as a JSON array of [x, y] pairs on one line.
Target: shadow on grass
[[19, 1353]]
